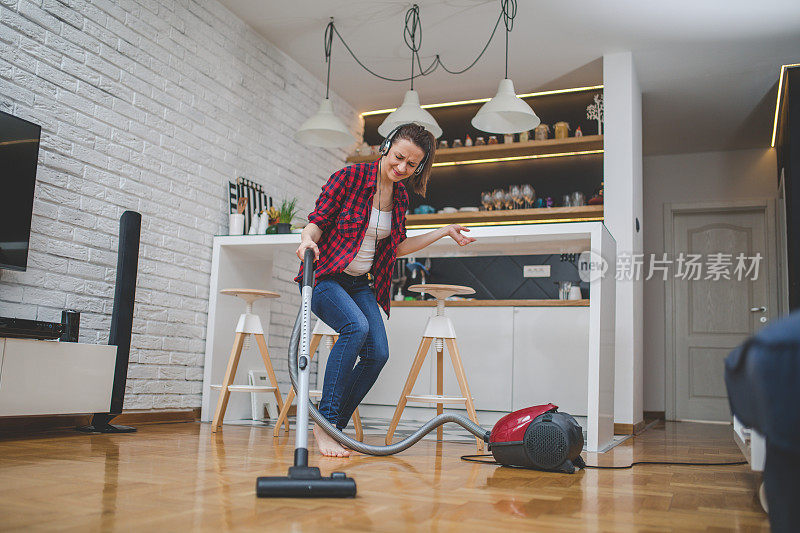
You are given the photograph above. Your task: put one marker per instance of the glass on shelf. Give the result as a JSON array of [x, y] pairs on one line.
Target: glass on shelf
[[516, 196], [486, 200], [508, 200], [528, 195], [498, 198]]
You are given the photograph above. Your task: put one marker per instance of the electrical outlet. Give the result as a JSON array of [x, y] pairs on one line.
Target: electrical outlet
[[536, 271]]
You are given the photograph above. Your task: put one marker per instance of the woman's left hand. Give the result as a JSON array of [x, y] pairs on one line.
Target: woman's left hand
[[454, 230]]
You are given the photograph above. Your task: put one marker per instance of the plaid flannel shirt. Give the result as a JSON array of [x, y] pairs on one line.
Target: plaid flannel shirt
[[342, 213]]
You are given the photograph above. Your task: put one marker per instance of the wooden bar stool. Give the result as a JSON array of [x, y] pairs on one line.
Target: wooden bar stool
[[321, 331], [249, 324], [439, 329]]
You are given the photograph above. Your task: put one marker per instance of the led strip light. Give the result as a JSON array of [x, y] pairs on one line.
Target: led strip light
[[515, 158], [778, 102], [506, 222]]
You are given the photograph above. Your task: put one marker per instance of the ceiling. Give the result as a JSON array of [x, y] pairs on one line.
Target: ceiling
[[708, 69]]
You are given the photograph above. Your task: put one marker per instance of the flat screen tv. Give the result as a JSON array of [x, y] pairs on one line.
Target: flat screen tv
[[19, 153]]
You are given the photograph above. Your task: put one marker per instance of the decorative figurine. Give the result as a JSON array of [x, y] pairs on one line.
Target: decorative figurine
[[457, 143], [578, 132], [443, 143], [597, 197], [595, 112], [508, 138], [523, 137], [479, 141], [468, 141], [549, 202], [492, 139]]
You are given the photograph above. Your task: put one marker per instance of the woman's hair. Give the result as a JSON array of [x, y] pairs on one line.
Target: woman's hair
[[427, 143]]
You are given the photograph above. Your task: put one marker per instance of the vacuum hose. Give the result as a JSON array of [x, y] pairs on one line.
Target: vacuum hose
[[346, 440]]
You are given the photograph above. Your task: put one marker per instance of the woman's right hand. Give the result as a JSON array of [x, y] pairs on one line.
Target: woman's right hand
[[305, 244]]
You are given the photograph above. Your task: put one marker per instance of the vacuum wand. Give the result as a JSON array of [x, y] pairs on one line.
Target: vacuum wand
[[301, 438], [305, 481]]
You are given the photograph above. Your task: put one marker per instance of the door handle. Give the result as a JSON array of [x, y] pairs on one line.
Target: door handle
[[761, 309]]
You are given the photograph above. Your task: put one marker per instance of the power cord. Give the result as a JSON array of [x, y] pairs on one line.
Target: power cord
[[412, 29], [476, 459]]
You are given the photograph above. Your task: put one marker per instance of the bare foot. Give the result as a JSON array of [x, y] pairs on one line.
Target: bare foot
[[327, 446]]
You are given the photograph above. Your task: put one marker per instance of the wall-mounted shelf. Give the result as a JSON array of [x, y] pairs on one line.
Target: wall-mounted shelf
[[584, 213], [548, 148]]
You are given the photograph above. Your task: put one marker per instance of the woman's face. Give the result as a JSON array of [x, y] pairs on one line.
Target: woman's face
[[402, 160]]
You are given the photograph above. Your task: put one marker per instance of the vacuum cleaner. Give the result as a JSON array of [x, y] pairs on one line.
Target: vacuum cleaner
[[538, 437]]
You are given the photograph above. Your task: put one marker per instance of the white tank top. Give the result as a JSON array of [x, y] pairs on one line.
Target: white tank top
[[380, 222]]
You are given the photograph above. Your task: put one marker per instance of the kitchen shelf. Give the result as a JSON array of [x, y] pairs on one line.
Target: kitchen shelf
[[584, 213], [547, 148], [494, 303]]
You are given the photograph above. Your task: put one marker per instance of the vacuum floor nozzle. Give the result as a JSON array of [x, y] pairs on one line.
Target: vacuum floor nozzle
[[306, 482]]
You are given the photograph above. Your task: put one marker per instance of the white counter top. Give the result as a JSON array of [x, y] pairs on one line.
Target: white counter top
[[522, 239]]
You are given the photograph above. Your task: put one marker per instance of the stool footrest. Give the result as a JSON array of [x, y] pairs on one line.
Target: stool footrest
[[432, 398], [246, 388]]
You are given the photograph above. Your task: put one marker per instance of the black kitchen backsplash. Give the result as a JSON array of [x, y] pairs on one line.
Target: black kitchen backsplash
[[498, 277]]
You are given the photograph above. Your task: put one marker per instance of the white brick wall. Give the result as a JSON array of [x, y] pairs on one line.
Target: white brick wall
[[151, 106]]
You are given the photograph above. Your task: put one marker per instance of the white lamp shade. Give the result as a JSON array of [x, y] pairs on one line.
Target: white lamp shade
[[324, 129], [410, 111], [505, 113]]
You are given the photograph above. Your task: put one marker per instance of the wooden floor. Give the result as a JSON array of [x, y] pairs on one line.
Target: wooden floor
[[177, 477]]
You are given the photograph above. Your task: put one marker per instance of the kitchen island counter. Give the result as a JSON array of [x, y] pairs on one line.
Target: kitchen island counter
[[247, 261]]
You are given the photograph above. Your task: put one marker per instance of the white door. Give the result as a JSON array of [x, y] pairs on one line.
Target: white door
[[715, 310]]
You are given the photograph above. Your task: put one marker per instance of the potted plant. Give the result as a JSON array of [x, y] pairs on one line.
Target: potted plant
[[286, 214]]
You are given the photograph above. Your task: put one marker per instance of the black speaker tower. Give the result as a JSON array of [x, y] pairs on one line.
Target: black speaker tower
[[130, 225]]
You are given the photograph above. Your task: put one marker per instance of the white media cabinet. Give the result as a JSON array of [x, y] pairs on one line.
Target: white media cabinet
[[50, 377]]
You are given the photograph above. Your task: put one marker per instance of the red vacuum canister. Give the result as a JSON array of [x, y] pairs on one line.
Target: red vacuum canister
[[538, 437]]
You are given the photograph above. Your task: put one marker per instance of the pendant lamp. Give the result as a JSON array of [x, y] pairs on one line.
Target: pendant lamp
[[325, 129], [506, 112], [410, 111]]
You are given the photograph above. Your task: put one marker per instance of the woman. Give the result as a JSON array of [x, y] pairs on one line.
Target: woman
[[356, 231]]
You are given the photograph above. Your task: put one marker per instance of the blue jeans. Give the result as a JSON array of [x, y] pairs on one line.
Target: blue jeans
[[347, 304]]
